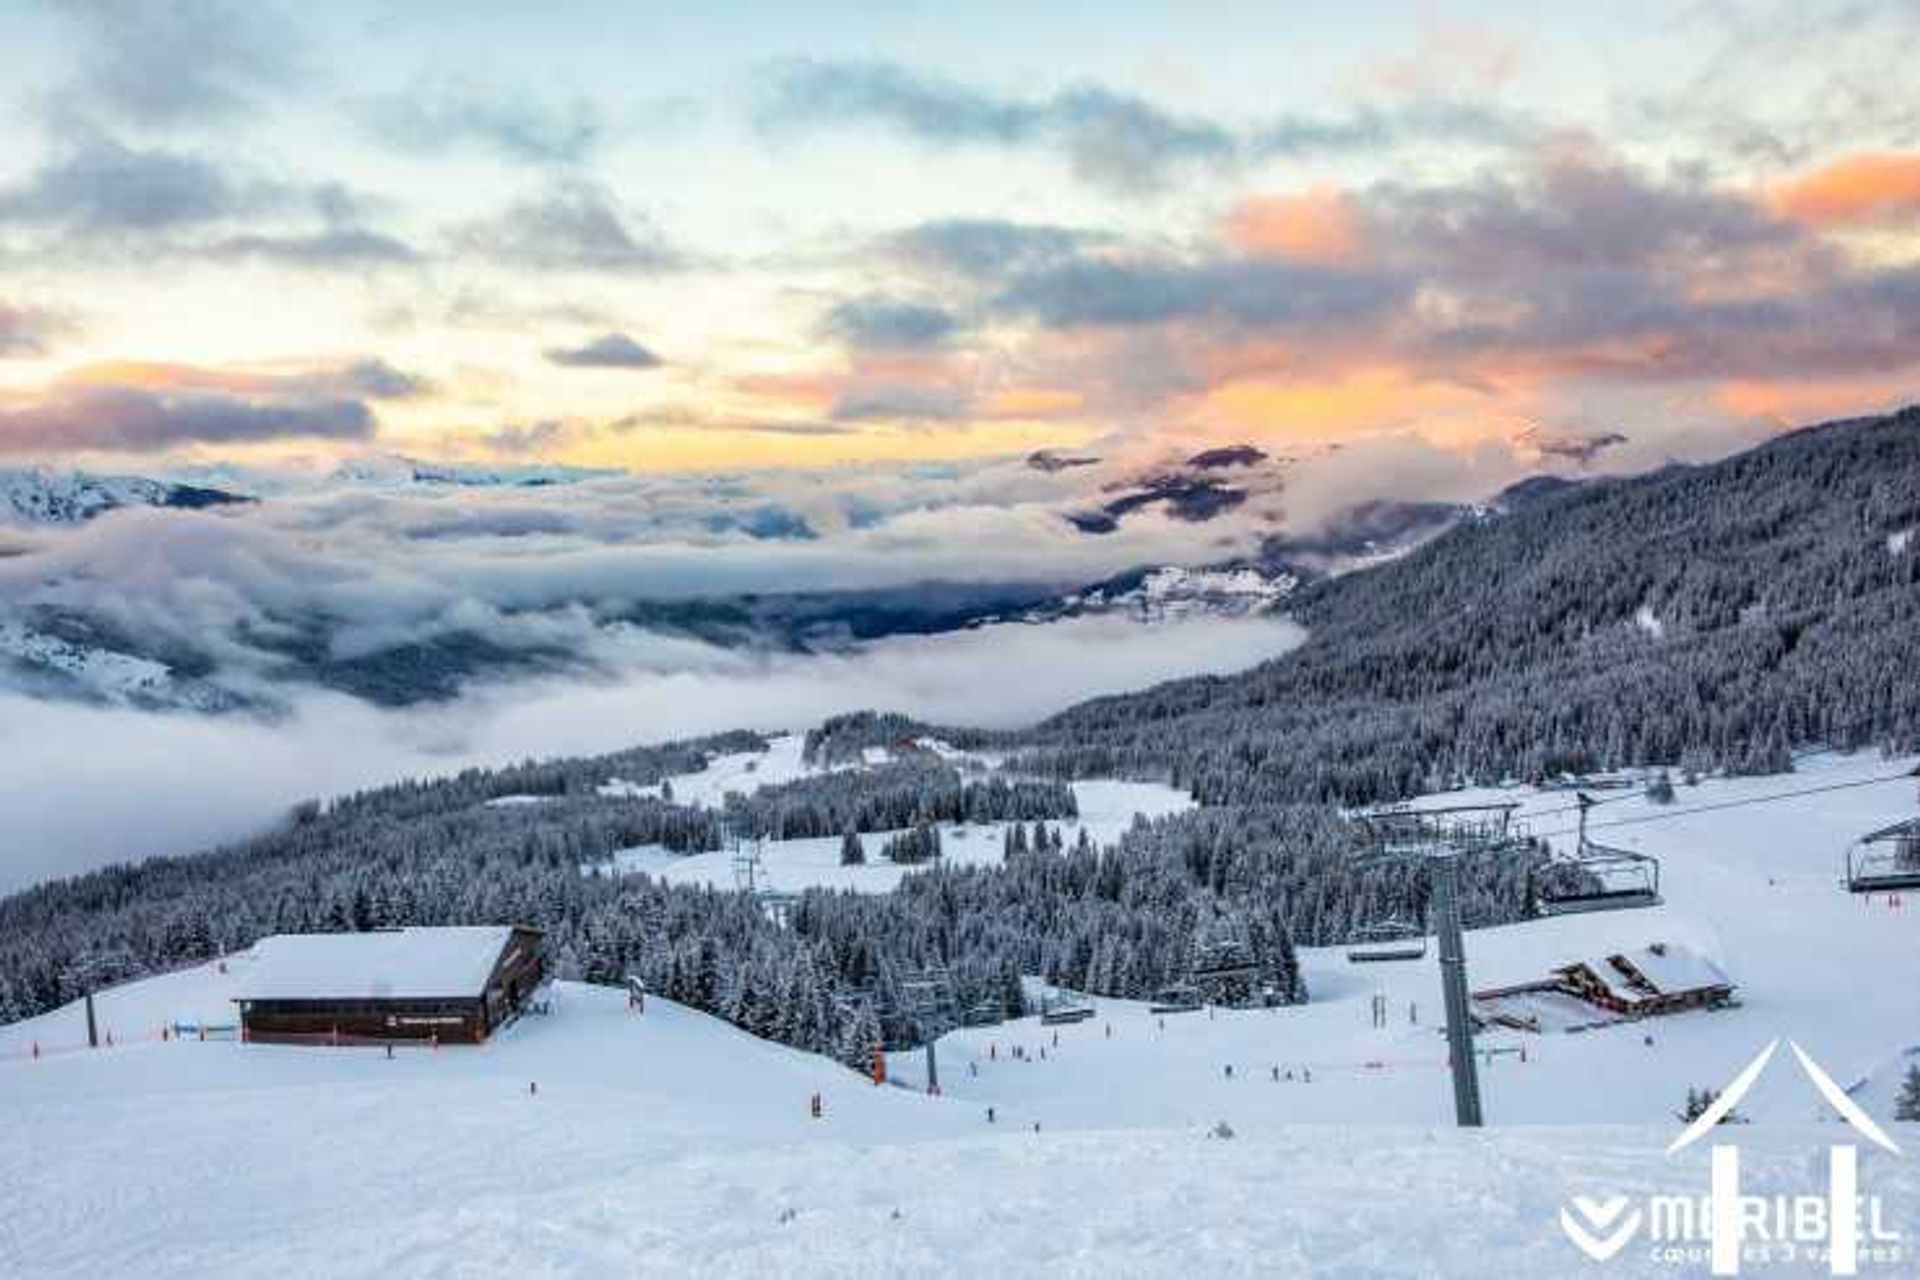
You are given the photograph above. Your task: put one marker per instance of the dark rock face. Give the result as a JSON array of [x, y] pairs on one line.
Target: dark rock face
[[1235, 455]]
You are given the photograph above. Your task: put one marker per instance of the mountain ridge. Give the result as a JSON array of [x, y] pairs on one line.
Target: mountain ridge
[[1717, 615], [45, 496]]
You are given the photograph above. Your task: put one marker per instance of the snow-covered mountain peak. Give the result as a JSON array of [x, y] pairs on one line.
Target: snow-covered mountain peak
[[41, 495], [394, 470]]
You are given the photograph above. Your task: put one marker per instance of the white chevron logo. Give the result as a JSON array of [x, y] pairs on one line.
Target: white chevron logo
[[1831, 1093], [1843, 1225], [1602, 1228]]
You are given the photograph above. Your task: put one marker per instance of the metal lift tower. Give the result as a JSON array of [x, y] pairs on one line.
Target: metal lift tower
[[1436, 839]]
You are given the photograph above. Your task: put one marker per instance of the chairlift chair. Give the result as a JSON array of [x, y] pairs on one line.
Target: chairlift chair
[[1887, 860], [1462, 823], [985, 1013], [1223, 968], [1058, 1010], [1596, 877], [1388, 940]]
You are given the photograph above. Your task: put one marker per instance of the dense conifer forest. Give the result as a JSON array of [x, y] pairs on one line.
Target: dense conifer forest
[[1701, 616]]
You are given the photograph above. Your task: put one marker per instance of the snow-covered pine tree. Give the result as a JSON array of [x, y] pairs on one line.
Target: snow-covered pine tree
[[859, 1037], [1907, 1106], [1699, 1100]]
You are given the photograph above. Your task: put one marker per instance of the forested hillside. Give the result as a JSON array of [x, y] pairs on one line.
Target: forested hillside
[[891, 796], [1709, 616], [516, 844]]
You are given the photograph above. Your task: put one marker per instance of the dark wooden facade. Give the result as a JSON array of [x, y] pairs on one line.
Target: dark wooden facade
[[1640, 997], [1616, 985], [454, 1018]]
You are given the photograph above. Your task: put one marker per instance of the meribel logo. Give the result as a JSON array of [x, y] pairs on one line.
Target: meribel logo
[[1839, 1227]]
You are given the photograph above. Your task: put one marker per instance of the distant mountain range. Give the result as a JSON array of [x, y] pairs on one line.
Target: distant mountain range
[[40, 496], [395, 469], [61, 650], [50, 497], [1708, 616], [1195, 489]]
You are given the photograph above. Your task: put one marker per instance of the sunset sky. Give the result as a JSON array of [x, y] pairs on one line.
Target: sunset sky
[[705, 236]]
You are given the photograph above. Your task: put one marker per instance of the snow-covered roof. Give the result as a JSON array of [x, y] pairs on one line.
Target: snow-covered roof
[[1670, 969], [1611, 978], [1675, 968], [403, 964]]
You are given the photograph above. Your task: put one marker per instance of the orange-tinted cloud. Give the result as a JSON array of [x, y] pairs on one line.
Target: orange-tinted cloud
[[812, 391], [1320, 225], [135, 419], [1867, 187], [1357, 402], [1800, 400], [371, 378], [1034, 402]]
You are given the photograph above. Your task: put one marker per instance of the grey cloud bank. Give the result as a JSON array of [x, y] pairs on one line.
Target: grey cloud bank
[[83, 787]]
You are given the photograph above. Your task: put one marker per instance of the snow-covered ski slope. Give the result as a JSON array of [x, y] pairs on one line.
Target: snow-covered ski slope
[[1107, 807], [1753, 888], [669, 1144]]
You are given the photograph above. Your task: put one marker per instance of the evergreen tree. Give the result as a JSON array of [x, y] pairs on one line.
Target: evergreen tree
[[1907, 1105], [1698, 1102]]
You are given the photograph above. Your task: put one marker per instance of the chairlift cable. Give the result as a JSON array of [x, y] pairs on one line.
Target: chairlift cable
[[1730, 804]]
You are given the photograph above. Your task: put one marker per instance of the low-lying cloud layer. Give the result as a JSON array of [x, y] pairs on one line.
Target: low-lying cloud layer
[[84, 787], [402, 581], [594, 571]]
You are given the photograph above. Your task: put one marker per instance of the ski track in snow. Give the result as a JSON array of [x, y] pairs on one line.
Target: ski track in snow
[[670, 1144]]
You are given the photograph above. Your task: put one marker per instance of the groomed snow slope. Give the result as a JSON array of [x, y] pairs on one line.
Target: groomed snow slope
[[1754, 889], [1106, 809], [669, 1144]]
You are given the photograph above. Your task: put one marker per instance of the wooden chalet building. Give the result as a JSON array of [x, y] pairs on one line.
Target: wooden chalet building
[[1655, 979], [452, 985], [1658, 978]]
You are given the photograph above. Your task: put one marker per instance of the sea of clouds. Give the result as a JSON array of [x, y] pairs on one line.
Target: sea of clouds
[[379, 564], [87, 786]]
